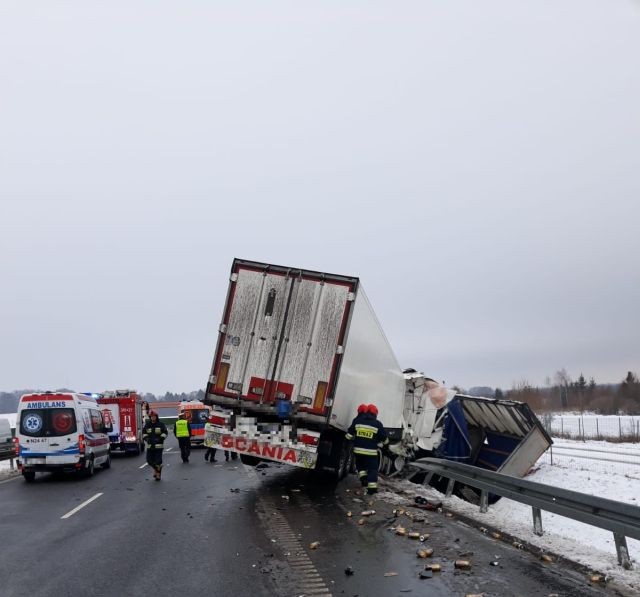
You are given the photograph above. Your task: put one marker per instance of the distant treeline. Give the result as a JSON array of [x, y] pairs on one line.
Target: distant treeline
[[9, 400], [566, 394]]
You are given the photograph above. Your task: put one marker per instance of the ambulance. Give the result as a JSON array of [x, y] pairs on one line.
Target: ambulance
[[60, 432], [197, 414]]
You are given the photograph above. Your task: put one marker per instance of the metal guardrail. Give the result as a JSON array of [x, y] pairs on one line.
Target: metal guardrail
[[9, 454], [623, 520]]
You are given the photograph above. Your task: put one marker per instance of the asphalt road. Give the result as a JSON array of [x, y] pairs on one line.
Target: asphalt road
[[224, 529]]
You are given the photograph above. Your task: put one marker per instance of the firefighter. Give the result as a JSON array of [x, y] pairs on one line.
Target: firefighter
[[182, 430], [154, 433], [368, 435]]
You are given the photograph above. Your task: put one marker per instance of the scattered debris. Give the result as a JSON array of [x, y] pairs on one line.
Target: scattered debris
[[434, 567], [597, 578], [426, 573], [349, 514], [474, 595], [462, 564], [367, 513], [401, 531], [546, 557], [425, 553], [391, 574], [465, 554], [314, 545], [285, 497], [496, 535], [494, 563], [349, 571], [361, 521], [424, 537], [448, 514]]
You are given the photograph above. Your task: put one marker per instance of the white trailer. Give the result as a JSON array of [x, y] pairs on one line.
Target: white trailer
[[297, 351]]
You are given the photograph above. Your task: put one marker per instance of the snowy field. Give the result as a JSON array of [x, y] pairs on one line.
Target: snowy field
[[592, 426], [579, 542]]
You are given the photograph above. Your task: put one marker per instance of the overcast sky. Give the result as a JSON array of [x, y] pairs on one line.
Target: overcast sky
[[476, 164]]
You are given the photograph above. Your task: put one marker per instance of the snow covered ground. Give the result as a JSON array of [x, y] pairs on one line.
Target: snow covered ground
[[579, 542], [595, 426]]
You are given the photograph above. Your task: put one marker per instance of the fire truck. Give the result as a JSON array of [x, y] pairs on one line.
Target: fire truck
[[123, 416]]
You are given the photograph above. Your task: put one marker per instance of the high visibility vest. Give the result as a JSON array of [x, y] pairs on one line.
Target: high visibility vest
[[182, 429]]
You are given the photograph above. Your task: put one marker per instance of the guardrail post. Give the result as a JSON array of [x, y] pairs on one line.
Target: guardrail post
[[484, 502], [428, 478], [622, 551], [450, 486], [537, 521]]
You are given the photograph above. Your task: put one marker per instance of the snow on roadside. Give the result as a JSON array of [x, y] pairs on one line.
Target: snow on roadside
[[582, 543]]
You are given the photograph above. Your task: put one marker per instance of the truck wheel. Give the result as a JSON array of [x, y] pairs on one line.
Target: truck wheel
[[249, 460], [29, 476], [344, 461]]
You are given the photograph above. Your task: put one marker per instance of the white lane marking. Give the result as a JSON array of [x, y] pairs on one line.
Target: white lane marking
[[11, 479], [145, 464], [82, 505]]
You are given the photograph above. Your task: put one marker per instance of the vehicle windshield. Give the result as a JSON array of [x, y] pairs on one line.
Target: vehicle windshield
[[196, 416], [48, 422]]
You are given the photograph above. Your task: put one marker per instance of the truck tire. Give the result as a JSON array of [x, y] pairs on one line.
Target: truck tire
[[344, 460], [249, 460], [29, 476]]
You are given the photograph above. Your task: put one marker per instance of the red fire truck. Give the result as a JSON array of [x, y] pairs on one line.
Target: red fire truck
[[123, 417]]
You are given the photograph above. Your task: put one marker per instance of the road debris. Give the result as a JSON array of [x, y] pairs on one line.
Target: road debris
[[387, 574], [285, 497], [462, 564], [425, 553], [595, 578], [545, 557], [314, 545], [424, 537], [434, 567], [361, 521], [496, 535], [413, 535], [349, 514], [494, 563], [401, 531], [367, 513], [448, 514], [349, 571]]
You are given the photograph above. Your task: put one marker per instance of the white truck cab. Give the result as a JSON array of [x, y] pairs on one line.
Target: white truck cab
[[60, 432]]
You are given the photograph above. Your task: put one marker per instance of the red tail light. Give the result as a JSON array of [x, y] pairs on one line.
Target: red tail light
[[16, 445], [81, 443], [310, 440]]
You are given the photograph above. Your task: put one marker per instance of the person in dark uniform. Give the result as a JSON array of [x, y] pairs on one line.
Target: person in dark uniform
[[368, 436], [154, 433]]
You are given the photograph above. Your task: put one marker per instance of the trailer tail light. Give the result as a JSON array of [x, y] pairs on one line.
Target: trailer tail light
[[321, 393], [215, 420], [221, 379], [16, 446], [81, 444], [309, 440]]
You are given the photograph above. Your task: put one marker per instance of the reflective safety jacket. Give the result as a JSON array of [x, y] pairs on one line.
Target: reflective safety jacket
[[368, 434], [182, 428], [154, 434]]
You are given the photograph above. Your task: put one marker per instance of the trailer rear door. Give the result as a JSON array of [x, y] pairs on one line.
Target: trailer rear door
[[280, 336]]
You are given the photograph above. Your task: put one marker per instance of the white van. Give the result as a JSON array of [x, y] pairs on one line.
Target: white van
[[60, 432]]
